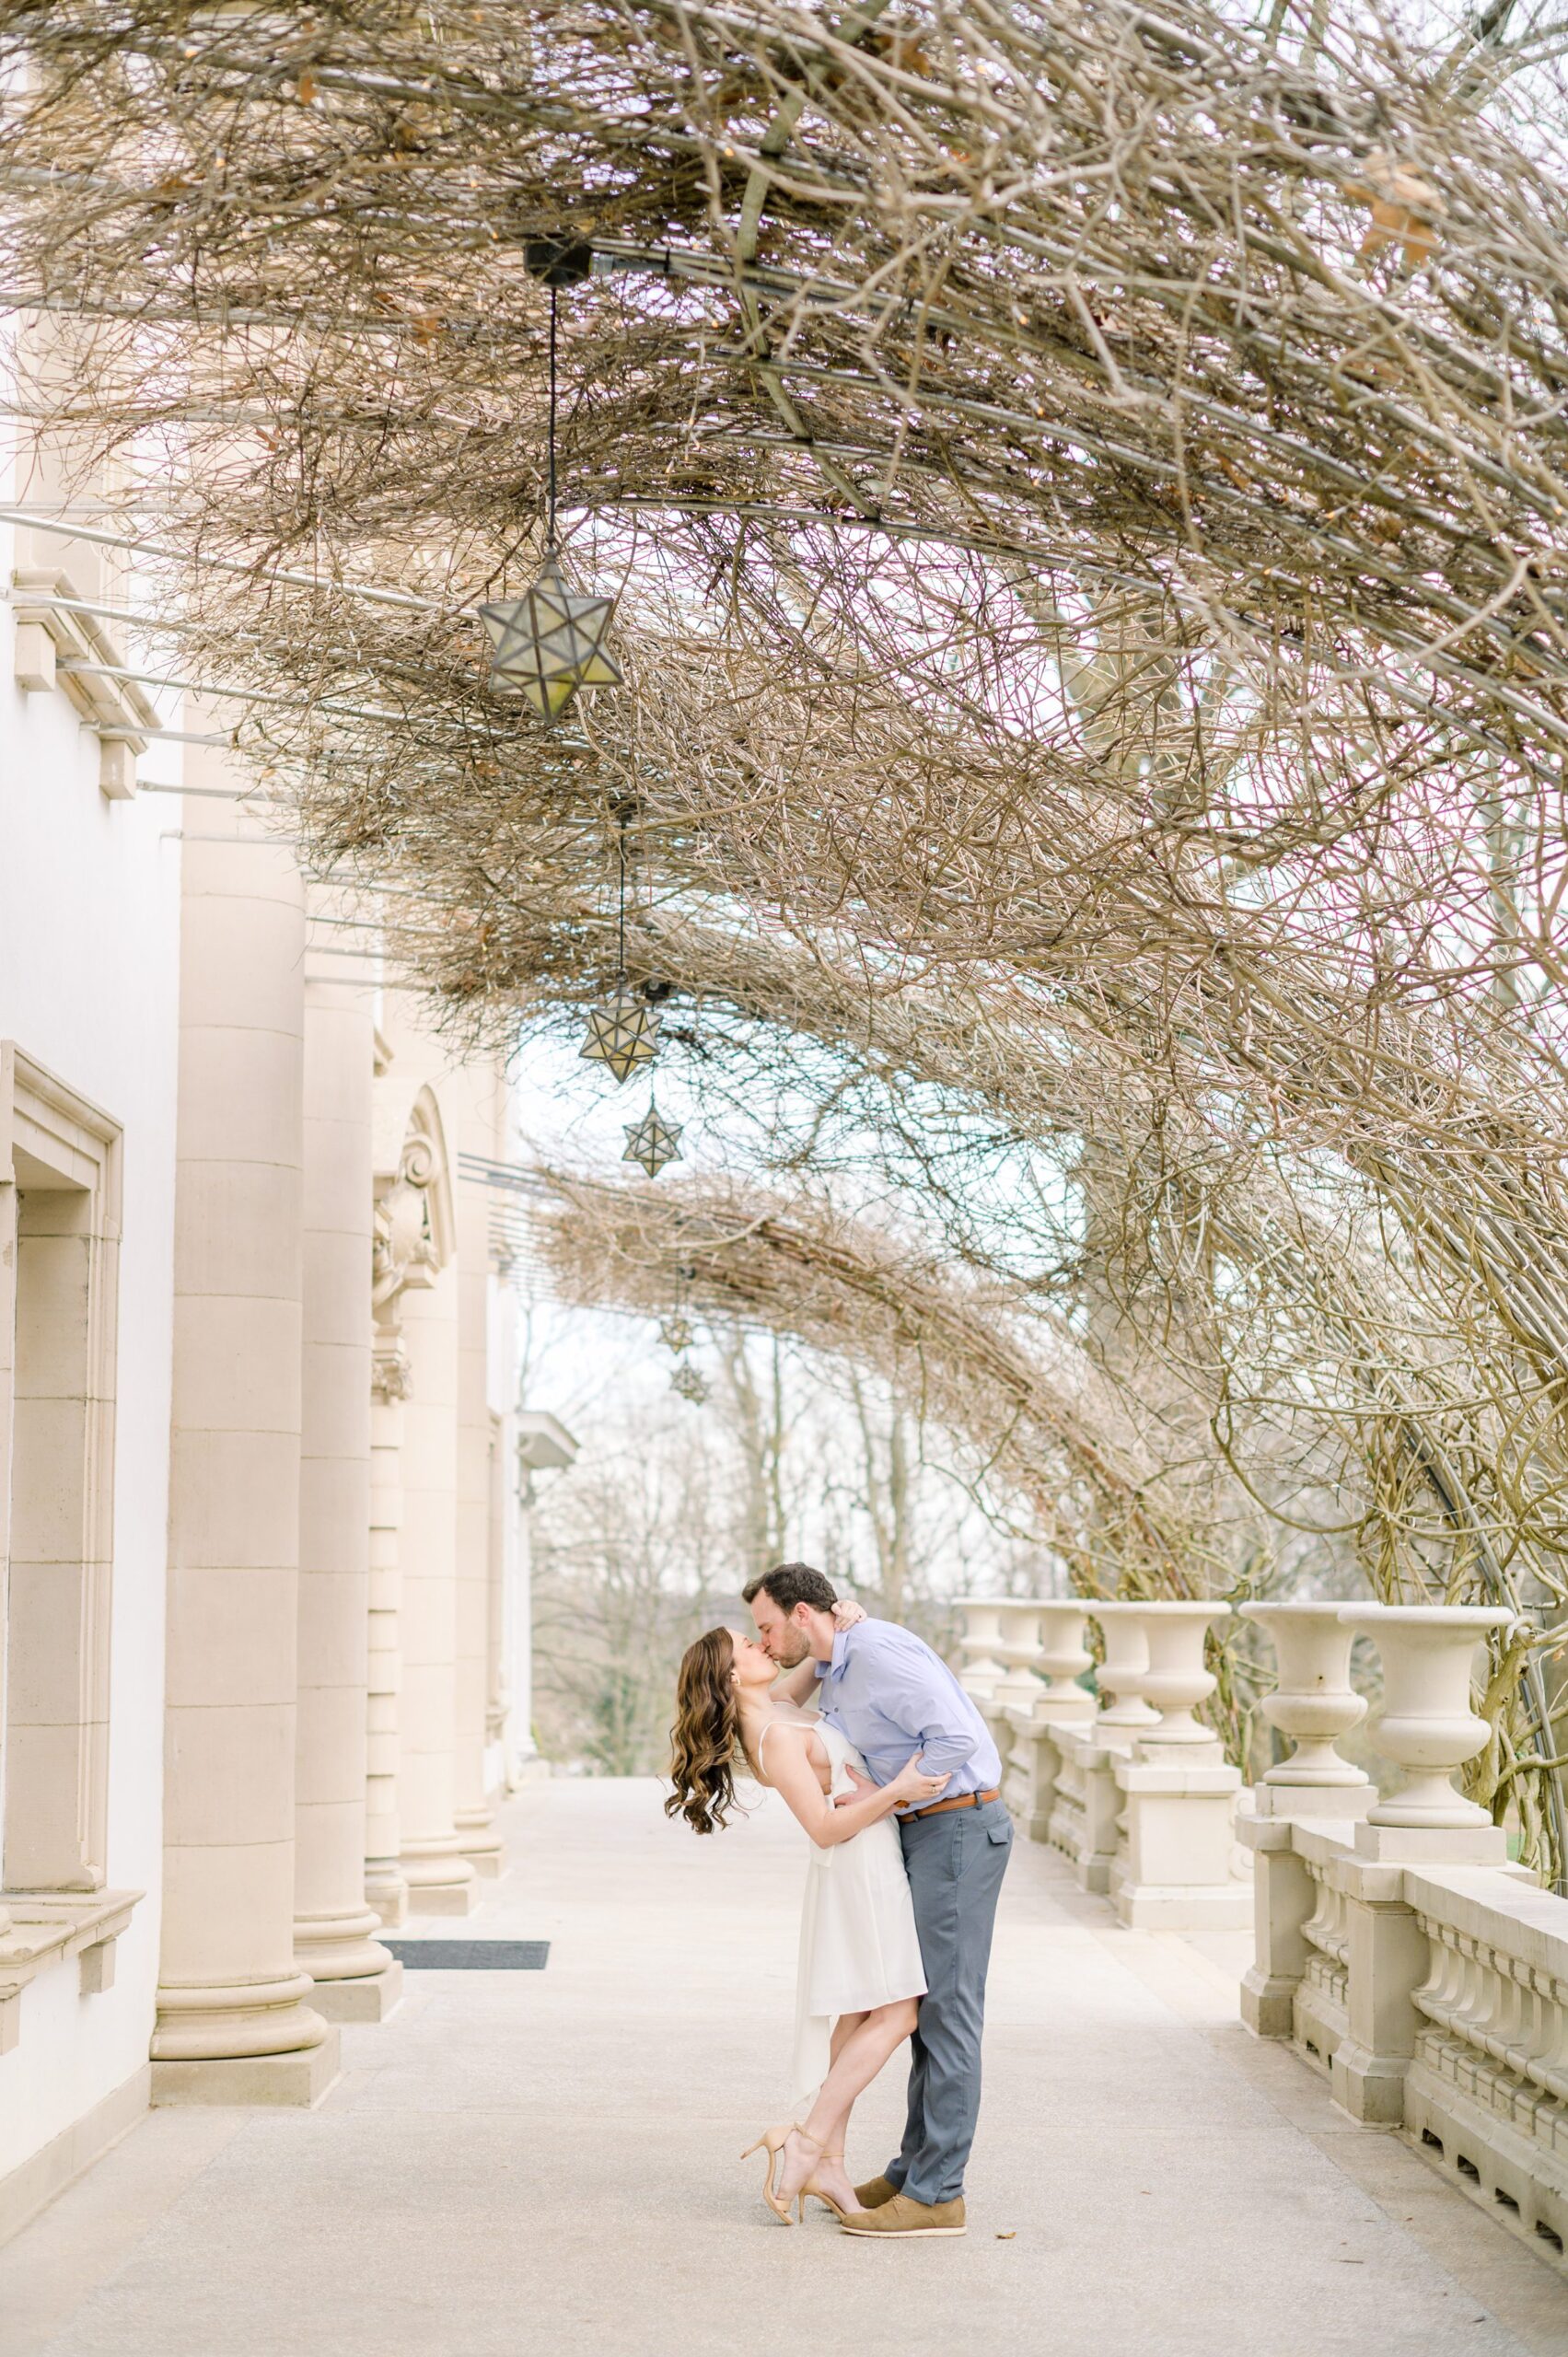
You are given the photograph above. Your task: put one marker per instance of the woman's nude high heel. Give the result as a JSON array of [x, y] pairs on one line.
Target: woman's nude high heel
[[772, 2140]]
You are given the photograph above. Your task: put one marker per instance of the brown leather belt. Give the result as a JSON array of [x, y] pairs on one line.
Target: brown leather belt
[[959, 1800]]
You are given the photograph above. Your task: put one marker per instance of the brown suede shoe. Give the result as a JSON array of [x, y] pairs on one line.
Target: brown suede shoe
[[874, 2193], [903, 2216]]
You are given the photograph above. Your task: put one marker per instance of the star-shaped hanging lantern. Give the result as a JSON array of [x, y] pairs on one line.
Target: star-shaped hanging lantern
[[653, 1141], [674, 1333], [549, 642], [689, 1382], [622, 1034]]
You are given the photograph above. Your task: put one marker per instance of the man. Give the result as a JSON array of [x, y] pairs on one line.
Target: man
[[886, 1690]]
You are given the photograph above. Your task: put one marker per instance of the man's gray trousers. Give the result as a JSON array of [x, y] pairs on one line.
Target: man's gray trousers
[[956, 1863]]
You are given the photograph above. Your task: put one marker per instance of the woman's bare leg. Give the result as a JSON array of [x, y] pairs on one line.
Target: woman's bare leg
[[844, 2029], [858, 2057]]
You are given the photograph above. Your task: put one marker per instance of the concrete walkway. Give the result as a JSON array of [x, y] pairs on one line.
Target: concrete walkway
[[544, 2165]]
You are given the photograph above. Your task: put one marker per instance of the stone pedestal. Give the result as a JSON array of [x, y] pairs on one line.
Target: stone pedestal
[[1031, 1760], [1172, 1872], [1282, 1903], [356, 1980], [1087, 1811], [234, 2023], [1388, 1963]]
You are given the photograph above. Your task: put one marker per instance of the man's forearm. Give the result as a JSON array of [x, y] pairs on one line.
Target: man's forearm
[[943, 1751]]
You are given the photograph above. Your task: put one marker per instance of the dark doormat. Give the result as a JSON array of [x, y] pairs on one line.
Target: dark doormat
[[470, 1955]]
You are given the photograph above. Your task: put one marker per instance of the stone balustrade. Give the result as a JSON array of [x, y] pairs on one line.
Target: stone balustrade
[[1034, 1636], [1395, 1946], [1151, 1829], [1487, 2087]]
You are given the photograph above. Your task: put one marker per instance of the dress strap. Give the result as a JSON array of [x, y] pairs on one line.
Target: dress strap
[[768, 1729]]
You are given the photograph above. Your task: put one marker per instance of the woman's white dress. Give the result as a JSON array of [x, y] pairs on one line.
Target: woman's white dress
[[858, 1944]]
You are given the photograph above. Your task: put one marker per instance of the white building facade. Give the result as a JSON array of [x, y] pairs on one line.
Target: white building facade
[[258, 1450]]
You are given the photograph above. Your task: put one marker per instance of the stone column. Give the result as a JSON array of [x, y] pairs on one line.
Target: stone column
[[479, 1841], [440, 1879], [356, 1979], [233, 2023]]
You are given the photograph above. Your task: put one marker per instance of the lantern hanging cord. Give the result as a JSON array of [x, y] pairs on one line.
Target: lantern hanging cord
[[620, 921], [550, 529]]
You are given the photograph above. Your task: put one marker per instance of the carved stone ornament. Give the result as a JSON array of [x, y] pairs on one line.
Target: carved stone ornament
[[390, 1373], [403, 1253]]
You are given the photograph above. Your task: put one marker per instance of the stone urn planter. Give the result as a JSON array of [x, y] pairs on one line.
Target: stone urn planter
[[1021, 1688], [1064, 1657], [1426, 1725], [1125, 1665], [1176, 1679], [1315, 1703], [981, 1672]]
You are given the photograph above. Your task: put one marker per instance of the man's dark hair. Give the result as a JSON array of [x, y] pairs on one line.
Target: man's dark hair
[[792, 1584]]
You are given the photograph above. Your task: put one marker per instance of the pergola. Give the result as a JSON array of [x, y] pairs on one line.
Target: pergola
[[1085, 488]]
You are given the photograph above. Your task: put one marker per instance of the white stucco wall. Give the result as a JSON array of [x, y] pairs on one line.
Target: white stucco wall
[[90, 933]]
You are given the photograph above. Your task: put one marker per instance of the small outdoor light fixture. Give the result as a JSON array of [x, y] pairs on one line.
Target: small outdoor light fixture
[[653, 1141], [549, 642], [689, 1382], [624, 1033], [674, 1333]]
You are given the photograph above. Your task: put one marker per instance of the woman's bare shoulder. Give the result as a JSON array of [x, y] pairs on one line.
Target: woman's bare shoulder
[[804, 1727]]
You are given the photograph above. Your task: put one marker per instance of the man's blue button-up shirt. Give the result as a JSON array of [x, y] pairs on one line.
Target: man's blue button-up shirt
[[891, 1695]]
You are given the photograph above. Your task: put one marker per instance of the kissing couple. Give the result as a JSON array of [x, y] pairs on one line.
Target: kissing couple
[[897, 1781]]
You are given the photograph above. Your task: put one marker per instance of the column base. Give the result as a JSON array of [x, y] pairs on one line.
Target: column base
[[301, 2078], [1371, 2088], [1335, 1802], [1268, 2002], [339, 1948], [440, 1880], [533, 1769], [479, 1842], [386, 1895], [1432, 1845], [369, 1998], [1183, 1907], [443, 1898]]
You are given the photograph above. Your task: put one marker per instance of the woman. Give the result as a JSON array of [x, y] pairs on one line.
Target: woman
[[860, 1970]]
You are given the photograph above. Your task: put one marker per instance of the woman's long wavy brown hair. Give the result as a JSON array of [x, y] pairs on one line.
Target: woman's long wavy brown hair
[[706, 1734]]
